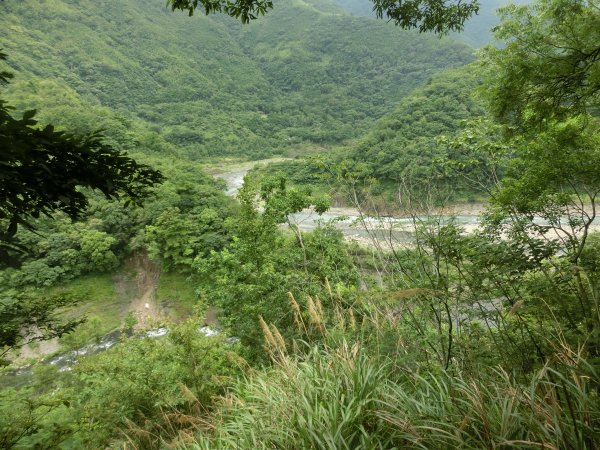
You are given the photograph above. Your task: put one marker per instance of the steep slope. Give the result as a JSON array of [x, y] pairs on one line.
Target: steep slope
[[337, 73], [401, 146], [183, 75], [404, 143], [305, 73]]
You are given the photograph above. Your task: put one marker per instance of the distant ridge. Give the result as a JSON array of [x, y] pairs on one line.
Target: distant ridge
[[307, 73]]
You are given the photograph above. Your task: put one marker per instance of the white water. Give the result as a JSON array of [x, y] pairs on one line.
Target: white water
[[65, 361]]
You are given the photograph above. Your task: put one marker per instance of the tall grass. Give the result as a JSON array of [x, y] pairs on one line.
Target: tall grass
[[336, 399], [327, 400], [341, 394]]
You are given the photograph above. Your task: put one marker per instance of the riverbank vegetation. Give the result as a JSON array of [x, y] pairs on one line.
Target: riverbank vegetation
[[406, 146], [197, 320]]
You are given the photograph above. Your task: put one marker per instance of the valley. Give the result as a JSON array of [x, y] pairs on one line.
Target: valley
[[248, 224]]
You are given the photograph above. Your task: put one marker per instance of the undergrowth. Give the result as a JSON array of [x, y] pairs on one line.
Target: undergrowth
[[338, 387]]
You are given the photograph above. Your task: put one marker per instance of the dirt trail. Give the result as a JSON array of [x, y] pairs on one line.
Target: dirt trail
[[141, 289]]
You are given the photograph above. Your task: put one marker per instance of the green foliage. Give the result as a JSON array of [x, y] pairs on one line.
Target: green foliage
[[142, 378], [90, 331], [404, 146], [186, 219], [27, 317], [426, 15], [21, 418], [177, 239], [358, 68], [31, 315], [302, 74], [150, 386], [43, 171], [245, 10], [321, 402], [550, 66], [477, 30], [546, 141], [57, 102], [478, 153], [342, 397], [252, 276], [553, 171], [178, 293], [62, 251], [482, 340], [403, 143]]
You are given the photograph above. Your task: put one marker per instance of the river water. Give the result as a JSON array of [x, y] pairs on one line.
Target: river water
[[65, 361], [367, 230], [354, 225]]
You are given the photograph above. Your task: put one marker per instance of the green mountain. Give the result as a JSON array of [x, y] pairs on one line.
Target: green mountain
[[404, 142], [402, 146], [304, 74]]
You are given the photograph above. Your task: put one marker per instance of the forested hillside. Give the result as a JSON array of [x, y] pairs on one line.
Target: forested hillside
[[307, 73], [404, 145], [418, 269]]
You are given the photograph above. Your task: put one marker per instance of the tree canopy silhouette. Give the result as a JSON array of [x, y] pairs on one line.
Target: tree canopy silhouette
[[438, 16], [42, 171]]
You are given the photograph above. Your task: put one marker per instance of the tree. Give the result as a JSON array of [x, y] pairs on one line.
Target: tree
[[439, 16], [543, 86], [43, 170], [251, 277], [550, 65], [176, 238], [542, 90], [27, 317]]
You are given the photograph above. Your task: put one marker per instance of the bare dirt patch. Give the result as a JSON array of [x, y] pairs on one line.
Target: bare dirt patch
[[141, 288]]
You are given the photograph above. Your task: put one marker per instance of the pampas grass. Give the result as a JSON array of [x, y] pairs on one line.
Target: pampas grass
[[341, 394]]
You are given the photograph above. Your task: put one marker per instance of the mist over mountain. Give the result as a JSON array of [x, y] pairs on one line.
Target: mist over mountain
[[477, 30]]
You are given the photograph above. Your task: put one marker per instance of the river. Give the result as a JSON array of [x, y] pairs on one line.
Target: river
[[65, 361], [354, 225], [368, 230]]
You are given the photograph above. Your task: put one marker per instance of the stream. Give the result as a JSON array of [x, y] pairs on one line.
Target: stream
[[65, 361]]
